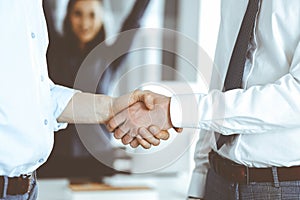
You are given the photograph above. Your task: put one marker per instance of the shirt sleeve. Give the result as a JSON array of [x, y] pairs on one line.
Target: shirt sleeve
[[258, 109], [60, 97]]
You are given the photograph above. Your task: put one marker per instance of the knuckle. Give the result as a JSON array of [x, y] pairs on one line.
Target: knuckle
[[111, 125], [153, 130]]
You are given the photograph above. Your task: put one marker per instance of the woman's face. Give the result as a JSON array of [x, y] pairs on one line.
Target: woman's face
[[86, 19]]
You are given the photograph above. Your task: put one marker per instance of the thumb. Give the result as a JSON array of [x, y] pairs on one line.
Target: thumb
[[148, 100]]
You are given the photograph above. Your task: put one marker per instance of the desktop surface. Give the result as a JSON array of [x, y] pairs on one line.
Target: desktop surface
[[127, 187]]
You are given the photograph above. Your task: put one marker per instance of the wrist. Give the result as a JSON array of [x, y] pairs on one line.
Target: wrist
[[104, 108]]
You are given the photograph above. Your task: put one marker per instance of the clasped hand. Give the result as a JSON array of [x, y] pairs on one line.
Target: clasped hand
[[143, 123]]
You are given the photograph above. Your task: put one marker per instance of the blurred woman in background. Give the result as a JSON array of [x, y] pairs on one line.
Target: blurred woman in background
[[83, 30]]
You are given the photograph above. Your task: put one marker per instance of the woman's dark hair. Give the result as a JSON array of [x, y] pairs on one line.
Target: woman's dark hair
[[71, 38]]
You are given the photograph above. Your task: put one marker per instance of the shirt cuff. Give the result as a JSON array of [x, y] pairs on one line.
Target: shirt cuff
[[197, 185], [184, 111], [62, 96]]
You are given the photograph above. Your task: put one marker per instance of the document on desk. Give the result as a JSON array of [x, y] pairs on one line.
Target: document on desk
[[96, 191]]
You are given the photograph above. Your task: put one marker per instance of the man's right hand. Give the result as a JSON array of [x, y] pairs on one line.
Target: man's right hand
[[137, 124]]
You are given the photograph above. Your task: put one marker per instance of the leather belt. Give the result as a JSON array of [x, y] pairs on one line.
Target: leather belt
[[15, 185], [234, 172]]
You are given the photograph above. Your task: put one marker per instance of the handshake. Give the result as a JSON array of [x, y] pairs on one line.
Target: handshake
[[140, 118]]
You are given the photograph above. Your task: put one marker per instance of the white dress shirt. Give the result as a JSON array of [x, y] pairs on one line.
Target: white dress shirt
[[29, 101], [266, 113]]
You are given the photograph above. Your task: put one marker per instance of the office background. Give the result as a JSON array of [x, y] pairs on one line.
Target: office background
[[196, 20]]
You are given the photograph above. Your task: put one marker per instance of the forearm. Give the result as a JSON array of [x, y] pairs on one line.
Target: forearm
[[87, 108], [97, 108]]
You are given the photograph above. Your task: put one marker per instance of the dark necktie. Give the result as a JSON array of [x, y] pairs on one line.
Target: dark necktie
[[236, 66]]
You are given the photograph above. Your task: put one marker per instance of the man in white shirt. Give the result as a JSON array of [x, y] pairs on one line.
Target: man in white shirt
[[32, 106], [263, 159]]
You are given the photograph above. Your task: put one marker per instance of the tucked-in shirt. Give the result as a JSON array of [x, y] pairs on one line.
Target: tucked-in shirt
[[29, 101], [265, 113]]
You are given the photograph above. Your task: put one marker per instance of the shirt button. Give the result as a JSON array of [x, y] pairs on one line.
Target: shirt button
[[45, 122], [41, 160], [42, 78], [32, 35]]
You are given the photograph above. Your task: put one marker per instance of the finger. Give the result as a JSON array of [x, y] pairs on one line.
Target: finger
[[159, 134], [145, 96], [134, 143], [127, 139], [143, 142], [116, 121], [178, 130], [148, 136], [163, 135], [131, 134], [120, 133]]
